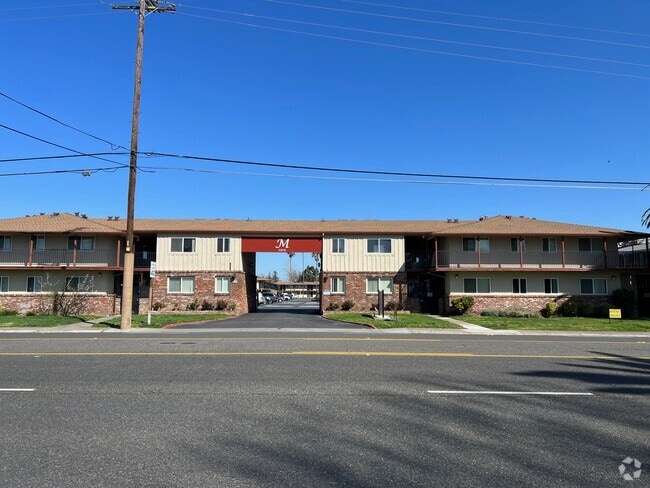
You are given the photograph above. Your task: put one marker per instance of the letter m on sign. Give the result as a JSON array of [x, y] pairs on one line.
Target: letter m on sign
[[283, 245]]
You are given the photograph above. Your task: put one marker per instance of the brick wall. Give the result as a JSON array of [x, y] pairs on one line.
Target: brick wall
[[528, 302], [355, 290], [203, 291], [103, 305]]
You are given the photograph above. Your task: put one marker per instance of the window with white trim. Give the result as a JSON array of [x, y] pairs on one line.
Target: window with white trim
[[593, 286], [519, 285], [375, 285], [476, 285], [551, 285], [4, 284], [222, 284], [517, 243], [183, 244], [180, 284], [590, 244], [382, 246], [469, 244], [5, 243], [338, 245], [337, 284], [549, 244], [84, 243], [223, 244], [34, 284], [39, 242], [79, 283]]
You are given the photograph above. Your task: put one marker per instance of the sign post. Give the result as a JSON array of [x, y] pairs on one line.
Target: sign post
[[152, 275]]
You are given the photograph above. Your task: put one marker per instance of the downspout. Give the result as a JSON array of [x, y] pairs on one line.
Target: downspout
[[563, 253], [605, 252]]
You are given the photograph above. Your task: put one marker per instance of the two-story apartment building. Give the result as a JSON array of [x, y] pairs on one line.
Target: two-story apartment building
[[420, 265]]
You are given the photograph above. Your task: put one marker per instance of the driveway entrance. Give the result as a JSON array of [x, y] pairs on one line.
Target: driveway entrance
[[292, 314]]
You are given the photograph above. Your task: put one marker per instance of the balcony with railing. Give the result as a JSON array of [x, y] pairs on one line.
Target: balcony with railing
[[569, 260], [57, 258]]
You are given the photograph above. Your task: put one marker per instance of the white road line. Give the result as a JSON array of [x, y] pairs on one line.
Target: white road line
[[16, 389], [550, 393]]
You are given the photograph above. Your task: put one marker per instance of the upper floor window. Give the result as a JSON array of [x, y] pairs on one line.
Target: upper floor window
[[590, 244], [38, 242], [593, 286], [79, 283], [337, 284], [180, 284], [469, 244], [84, 243], [549, 244], [476, 285], [222, 284], [183, 244], [379, 246], [375, 285], [5, 243], [34, 284], [517, 243], [223, 244], [338, 246], [4, 284]]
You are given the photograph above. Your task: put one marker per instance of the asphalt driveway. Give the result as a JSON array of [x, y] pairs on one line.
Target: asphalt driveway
[[292, 314]]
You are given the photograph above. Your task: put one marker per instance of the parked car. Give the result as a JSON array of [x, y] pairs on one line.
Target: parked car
[[286, 296], [270, 297]]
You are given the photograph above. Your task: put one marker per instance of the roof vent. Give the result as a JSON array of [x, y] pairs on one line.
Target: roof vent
[[509, 217], [56, 214], [116, 218], [455, 221], [84, 216], [76, 214], [110, 217]]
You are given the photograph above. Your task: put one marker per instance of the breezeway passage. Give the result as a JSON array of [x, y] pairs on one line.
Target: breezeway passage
[[292, 314]]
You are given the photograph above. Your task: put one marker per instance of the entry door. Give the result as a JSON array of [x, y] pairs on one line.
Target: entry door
[[643, 292]]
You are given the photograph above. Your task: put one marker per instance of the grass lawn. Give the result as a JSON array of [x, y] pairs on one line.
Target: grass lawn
[[559, 323], [41, 320], [408, 320], [159, 321]]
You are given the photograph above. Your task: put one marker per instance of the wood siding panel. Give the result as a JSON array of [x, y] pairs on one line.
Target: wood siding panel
[[356, 258], [205, 257]]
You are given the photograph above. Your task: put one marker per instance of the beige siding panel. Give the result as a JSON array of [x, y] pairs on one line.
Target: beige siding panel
[[357, 259], [205, 257]]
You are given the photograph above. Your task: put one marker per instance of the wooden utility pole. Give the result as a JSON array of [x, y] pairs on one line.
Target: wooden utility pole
[[144, 7]]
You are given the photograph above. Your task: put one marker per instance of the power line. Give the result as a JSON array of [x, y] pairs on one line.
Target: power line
[[112, 144], [452, 24], [53, 17], [63, 156], [49, 7], [501, 19], [56, 145], [421, 38], [62, 171], [423, 50]]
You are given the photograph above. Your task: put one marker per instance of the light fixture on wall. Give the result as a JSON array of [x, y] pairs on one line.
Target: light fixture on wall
[[613, 277], [233, 279], [456, 276], [99, 274]]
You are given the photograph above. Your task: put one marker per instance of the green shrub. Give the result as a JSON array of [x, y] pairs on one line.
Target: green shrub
[[462, 305], [585, 309], [625, 300], [232, 306], [347, 305], [31, 313], [7, 312], [206, 305], [602, 311], [568, 309], [332, 306], [158, 306], [490, 313], [221, 305], [550, 309], [514, 312], [194, 305]]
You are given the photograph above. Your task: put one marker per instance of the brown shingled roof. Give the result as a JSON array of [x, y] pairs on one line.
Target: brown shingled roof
[[65, 223]]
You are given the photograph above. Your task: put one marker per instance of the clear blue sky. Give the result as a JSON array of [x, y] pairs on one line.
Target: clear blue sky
[[351, 84]]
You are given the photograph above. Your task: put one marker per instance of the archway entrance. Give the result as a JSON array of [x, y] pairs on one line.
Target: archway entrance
[[252, 245]]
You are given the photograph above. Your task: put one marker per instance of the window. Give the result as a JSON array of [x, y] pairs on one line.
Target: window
[[223, 244], [180, 284], [4, 284], [549, 244], [517, 243], [338, 246], [551, 285], [519, 285], [34, 284], [469, 244], [221, 284], [593, 286], [588, 244], [183, 244], [375, 285], [79, 283], [39, 243], [84, 243], [476, 285], [379, 246], [337, 284], [5, 243]]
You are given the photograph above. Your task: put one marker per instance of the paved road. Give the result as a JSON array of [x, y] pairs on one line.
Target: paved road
[[286, 409], [283, 315]]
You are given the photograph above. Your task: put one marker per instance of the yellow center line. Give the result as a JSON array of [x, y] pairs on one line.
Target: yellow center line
[[328, 353]]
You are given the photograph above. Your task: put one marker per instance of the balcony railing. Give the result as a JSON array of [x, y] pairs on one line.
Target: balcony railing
[[533, 260], [64, 257]]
